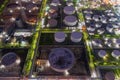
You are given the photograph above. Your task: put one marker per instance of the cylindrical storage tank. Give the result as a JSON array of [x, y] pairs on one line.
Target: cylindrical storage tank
[[116, 54], [10, 59], [38, 2], [109, 28], [69, 3], [109, 76], [103, 19], [30, 7], [26, 1], [76, 36], [101, 31], [117, 31], [97, 42], [88, 16], [98, 25], [109, 42], [31, 19], [8, 18], [113, 19], [89, 11], [91, 28], [69, 10], [53, 9], [116, 26], [96, 17], [53, 15], [116, 43], [91, 32], [118, 23], [61, 59], [55, 2], [102, 53], [13, 8], [70, 20], [52, 22], [87, 21], [59, 36], [19, 23], [5, 18], [110, 14]]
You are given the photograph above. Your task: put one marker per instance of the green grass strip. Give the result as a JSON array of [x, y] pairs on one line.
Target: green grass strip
[[31, 52]]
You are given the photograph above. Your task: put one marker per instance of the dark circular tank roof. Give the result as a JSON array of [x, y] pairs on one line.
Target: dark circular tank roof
[[53, 15], [88, 15], [31, 6], [116, 52], [59, 35], [109, 26], [70, 19], [76, 35], [109, 41], [96, 16], [61, 58], [69, 8], [9, 58], [52, 22], [54, 8], [118, 41], [98, 41], [109, 76], [102, 53], [55, 1]]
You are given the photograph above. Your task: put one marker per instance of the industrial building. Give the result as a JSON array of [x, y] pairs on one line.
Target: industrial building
[[59, 40]]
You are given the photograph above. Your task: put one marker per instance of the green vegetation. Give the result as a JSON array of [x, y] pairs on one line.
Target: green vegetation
[[30, 55], [80, 15], [117, 73], [89, 50], [15, 44], [55, 30], [3, 6], [32, 50], [12, 45]]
